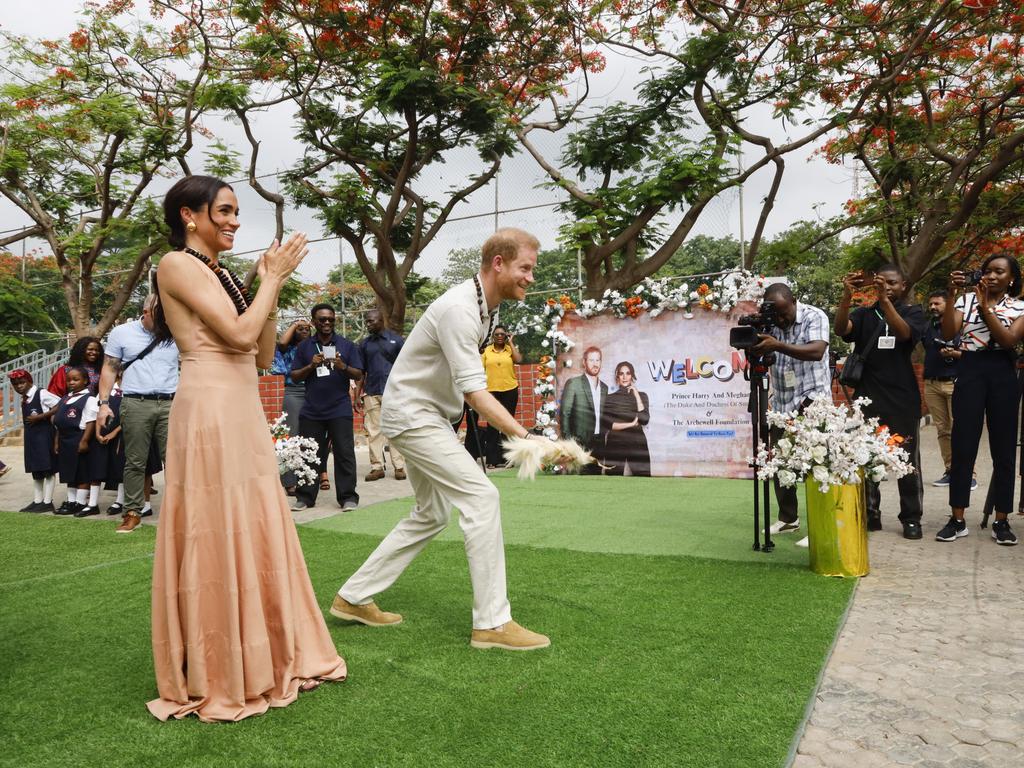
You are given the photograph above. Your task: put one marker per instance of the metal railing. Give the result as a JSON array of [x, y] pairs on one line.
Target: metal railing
[[41, 364]]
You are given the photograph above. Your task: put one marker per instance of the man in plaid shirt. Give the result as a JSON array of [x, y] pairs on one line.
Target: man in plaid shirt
[[800, 373]]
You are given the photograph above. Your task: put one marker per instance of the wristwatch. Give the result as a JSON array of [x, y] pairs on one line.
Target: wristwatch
[[102, 402]]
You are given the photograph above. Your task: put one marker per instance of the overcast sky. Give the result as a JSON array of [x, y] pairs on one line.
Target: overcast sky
[[811, 188]]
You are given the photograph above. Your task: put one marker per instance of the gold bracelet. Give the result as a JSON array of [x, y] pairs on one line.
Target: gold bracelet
[[272, 317]]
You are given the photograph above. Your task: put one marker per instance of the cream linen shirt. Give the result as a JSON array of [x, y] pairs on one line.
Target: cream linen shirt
[[438, 365]]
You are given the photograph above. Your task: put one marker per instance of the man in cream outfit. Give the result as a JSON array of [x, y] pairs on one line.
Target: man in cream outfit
[[439, 369]]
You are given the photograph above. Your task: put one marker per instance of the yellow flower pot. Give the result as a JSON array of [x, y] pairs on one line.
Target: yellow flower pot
[[837, 526]]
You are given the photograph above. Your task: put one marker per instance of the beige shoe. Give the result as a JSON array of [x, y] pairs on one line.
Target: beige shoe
[[400, 474], [368, 614], [511, 637]]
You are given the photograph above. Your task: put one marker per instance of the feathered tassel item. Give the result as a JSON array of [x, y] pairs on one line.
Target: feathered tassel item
[[532, 455]]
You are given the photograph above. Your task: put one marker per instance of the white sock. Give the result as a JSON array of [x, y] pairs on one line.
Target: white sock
[[48, 483], [72, 495], [94, 495], [146, 507], [83, 495], [37, 491], [120, 493]]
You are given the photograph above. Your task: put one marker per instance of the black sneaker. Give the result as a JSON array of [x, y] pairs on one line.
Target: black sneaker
[[1002, 534], [953, 530], [942, 482]]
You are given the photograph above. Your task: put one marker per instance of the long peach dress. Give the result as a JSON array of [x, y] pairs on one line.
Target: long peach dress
[[236, 627]]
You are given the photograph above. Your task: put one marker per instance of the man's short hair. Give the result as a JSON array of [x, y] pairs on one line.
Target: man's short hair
[[779, 291], [939, 294], [591, 349], [506, 242], [318, 307], [892, 267]]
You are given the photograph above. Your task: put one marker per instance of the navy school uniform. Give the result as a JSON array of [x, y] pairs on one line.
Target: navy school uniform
[[77, 468], [38, 439]]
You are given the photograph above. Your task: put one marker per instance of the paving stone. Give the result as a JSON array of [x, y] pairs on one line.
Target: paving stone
[[806, 761], [971, 736], [971, 751], [1005, 730]]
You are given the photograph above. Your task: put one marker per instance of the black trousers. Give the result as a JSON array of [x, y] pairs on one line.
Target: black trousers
[[339, 433], [492, 438], [986, 391], [911, 488]]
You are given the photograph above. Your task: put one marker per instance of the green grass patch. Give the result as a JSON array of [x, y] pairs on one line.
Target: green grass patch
[[703, 517], [656, 660]]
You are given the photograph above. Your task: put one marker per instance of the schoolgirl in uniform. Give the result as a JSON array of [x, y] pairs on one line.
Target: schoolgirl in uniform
[[110, 436], [37, 408], [990, 321], [78, 463]]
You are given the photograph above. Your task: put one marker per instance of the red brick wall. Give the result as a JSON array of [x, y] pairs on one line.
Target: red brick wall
[[838, 397], [272, 395]]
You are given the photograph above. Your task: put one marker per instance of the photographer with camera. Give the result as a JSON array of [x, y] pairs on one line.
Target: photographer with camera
[[884, 335], [940, 364], [990, 321], [798, 337]]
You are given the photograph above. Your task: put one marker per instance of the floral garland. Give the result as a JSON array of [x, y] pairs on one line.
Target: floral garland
[[652, 296]]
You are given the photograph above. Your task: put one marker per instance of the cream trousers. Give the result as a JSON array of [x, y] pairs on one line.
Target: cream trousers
[[375, 438], [443, 475]]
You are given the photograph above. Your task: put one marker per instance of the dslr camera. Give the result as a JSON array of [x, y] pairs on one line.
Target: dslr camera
[[745, 335]]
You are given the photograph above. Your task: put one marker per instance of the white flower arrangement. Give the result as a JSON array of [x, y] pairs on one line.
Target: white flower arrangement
[[832, 445], [294, 454]]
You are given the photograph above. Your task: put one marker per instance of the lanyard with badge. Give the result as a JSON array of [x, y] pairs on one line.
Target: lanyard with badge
[[885, 341], [329, 352]]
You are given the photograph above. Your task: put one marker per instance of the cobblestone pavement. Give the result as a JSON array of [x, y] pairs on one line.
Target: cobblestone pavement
[[927, 669]]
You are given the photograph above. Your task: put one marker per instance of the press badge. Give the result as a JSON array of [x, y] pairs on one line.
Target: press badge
[[789, 379], [323, 370], [887, 342]]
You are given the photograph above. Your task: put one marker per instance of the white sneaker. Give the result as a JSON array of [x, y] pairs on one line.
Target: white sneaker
[[298, 506], [349, 505], [782, 527], [804, 542]]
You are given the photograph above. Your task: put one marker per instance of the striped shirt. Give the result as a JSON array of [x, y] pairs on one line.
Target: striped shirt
[[974, 333], [794, 380]]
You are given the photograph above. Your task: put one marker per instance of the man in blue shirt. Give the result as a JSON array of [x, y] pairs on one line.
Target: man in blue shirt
[[327, 363], [380, 350], [940, 364]]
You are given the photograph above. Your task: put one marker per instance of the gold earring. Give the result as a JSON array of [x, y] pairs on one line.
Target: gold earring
[[191, 226]]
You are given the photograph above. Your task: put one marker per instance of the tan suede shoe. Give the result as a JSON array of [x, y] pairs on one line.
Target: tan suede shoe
[[368, 614], [510, 637]]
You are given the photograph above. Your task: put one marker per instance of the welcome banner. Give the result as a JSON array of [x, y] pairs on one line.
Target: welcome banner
[[691, 377]]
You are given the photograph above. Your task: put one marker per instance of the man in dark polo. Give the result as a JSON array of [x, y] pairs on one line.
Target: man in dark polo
[[327, 363], [149, 372], [380, 349]]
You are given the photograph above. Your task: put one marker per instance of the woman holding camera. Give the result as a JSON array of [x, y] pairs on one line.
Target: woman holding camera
[[990, 321]]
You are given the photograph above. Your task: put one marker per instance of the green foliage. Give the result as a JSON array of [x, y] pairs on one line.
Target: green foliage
[[221, 160]]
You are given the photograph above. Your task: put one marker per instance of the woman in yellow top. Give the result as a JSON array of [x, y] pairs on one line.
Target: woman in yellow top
[[500, 359]]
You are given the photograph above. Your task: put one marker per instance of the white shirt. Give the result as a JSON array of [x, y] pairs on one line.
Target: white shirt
[[90, 408], [46, 398], [595, 392], [438, 365], [974, 333]]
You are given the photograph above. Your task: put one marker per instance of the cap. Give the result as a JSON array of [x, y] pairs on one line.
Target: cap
[[19, 373]]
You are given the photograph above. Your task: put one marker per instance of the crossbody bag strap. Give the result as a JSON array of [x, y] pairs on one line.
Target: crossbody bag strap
[[874, 338], [142, 354]]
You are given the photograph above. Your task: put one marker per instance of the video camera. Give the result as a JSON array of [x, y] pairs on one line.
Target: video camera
[[745, 335]]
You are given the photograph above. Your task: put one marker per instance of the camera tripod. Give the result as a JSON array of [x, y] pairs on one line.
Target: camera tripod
[[757, 405]]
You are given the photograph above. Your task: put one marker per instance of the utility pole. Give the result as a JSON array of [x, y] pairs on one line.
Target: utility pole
[[341, 264]]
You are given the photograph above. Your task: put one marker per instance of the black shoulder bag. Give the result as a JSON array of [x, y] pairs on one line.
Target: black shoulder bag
[[853, 368]]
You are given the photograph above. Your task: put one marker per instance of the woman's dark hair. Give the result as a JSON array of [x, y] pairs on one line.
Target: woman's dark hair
[[82, 371], [161, 330], [1014, 288], [499, 328], [77, 356], [192, 192], [624, 364]]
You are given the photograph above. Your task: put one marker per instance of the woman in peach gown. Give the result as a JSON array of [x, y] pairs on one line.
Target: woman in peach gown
[[236, 627]]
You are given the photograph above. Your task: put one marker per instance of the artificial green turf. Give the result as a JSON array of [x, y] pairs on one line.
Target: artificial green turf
[[656, 660], [704, 517]]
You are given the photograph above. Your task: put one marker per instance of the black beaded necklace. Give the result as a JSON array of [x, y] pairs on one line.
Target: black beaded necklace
[[232, 285], [484, 315]]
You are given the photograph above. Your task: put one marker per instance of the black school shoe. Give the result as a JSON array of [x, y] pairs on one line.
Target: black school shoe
[[115, 509], [1002, 534], [33, 507], [87, 511], [912, 530], [67, 508], [874, 522]]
